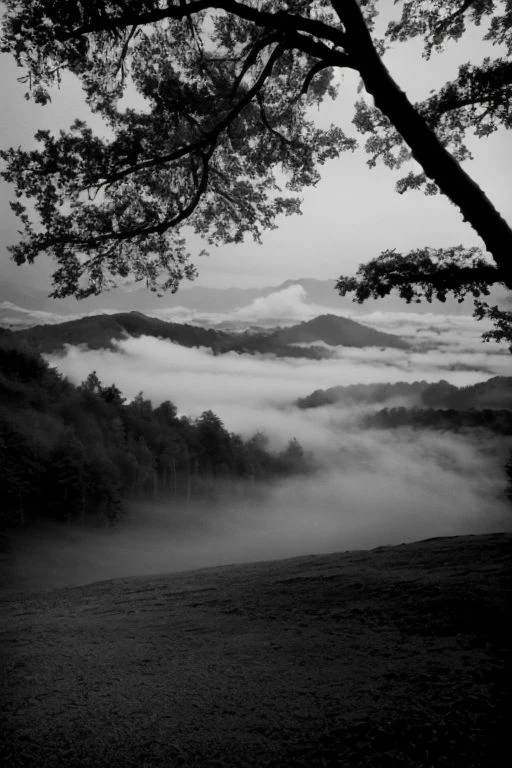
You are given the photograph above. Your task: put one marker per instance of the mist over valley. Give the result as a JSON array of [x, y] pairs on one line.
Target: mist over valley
[[255, 384], [403, 420]]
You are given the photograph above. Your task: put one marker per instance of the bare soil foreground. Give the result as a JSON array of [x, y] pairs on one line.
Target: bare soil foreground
[[389, 657]]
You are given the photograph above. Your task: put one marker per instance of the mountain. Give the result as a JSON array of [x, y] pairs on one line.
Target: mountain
[[337, 331], [100, 331], [495, 393]]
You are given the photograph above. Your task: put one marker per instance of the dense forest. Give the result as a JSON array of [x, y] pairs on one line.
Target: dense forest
[[499, 421], [80, 453], [495, 393], [70, 452]]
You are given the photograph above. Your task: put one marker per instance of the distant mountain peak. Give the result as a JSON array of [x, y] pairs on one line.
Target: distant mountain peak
[[99, 331], [335, 330]]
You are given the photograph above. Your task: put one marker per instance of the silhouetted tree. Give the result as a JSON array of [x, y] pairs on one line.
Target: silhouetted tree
[[227, 89]]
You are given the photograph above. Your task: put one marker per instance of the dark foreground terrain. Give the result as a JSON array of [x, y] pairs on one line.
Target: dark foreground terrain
[[394, 657]]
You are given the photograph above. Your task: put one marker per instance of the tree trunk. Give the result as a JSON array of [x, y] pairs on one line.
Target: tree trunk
[[438, 164]]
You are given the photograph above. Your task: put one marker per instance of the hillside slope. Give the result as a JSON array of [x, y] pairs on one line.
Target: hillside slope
[[496, 392], [394, 657], [99, 331], [337, 331]]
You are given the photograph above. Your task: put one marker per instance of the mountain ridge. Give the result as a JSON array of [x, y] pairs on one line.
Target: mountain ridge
[[100, 331], [328, 328], [493, 393]]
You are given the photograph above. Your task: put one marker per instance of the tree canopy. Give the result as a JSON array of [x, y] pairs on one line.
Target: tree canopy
[[209, 124], [83, 452]]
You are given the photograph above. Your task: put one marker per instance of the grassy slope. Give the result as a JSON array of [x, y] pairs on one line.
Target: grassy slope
[[393, 657]]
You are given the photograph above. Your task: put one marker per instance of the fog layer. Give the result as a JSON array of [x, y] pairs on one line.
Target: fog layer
[[371, 487]]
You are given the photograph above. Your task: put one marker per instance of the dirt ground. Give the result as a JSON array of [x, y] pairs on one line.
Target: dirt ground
[[392, 657]]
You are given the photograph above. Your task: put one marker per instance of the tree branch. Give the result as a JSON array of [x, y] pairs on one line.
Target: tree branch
[[209, 137], [423, 273], [124, 51], [265, 121], [460, 11], [252, 57], [315, 69], [281, 20]]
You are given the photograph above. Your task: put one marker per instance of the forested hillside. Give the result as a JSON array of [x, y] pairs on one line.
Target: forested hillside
[[100, 331], [421, 405], [78, 452], [335, 331], [451, 419], [495, 393]]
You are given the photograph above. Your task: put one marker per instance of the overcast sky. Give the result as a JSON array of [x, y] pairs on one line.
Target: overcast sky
[[348, 218]]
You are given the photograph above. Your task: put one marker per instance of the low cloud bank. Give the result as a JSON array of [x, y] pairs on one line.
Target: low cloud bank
[[372, 487], [285, 307], [249, 391]]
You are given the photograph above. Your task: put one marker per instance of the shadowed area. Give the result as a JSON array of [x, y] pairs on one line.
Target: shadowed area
[[394, 656]]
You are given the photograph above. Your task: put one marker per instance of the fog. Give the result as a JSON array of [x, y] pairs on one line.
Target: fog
[[251, 392], [371, 487], [374, 488]]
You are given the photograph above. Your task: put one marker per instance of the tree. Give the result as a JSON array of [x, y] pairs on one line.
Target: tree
[[92, 385], [293, 458], [227, 89], [65, 487], [214, 442]]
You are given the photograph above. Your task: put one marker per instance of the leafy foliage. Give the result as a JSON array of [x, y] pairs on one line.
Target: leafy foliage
[[221, 136], [502, 320], [428, 274], [424, 273], [494, 394], [80, 452], [222, 118]]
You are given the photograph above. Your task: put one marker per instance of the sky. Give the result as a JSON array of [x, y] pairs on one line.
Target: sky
[[362, 494], [351, 215]]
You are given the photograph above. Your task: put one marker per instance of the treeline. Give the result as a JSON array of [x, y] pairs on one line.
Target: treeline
[[70, 452], [495, 420], [495, 393]]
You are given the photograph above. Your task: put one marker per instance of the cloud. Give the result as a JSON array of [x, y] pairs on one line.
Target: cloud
[[444, 345], [373, 487], [247, 391], [17, 317], [286, 306]]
